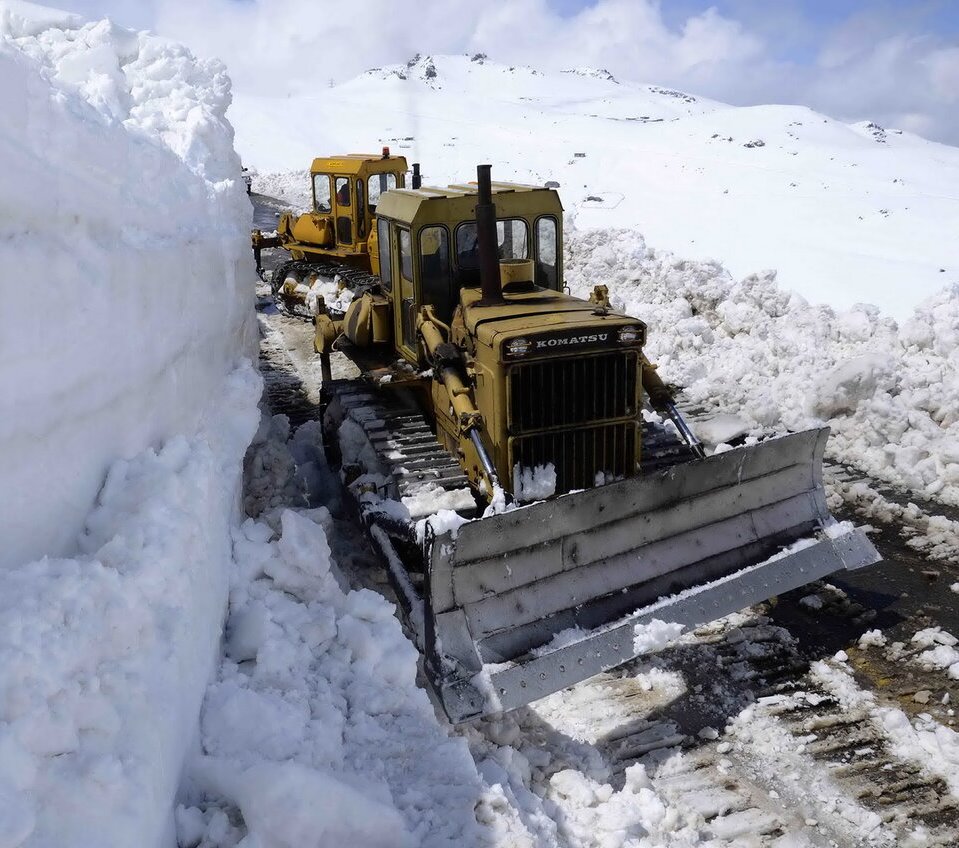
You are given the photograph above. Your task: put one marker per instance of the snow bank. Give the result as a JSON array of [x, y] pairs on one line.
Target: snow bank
[[890, 393], [124, 249], [104, 657], [315, 728]]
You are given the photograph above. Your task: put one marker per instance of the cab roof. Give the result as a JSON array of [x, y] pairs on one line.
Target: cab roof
[[434, 204], [353, 163]]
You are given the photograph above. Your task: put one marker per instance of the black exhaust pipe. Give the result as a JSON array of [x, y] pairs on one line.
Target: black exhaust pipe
[[417, 180], [490, 281]]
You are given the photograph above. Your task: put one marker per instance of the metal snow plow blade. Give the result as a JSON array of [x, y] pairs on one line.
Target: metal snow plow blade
[[688, 545]]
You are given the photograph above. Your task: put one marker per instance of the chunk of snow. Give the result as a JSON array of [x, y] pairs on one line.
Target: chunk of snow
[[655, 635], [872, 637], [720, 429], [934, 636], [842, 389], [569, 636], [838, 529], [443, 521], [534, 484], [431, 499]]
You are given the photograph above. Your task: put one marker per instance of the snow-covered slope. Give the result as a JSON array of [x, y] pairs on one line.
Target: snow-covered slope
[[844, 213], [761, 357], [124, 254]]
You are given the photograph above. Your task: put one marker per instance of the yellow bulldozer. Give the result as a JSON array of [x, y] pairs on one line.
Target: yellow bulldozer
[[539, 501], [336, 239]]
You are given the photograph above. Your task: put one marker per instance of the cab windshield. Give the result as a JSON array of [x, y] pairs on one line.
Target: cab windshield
[[512, 239], [321, 192]]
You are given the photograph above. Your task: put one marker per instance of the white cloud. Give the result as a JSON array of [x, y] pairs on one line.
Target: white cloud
[[872, 66]]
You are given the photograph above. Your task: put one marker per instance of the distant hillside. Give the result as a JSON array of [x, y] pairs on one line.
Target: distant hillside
[[845, 213]]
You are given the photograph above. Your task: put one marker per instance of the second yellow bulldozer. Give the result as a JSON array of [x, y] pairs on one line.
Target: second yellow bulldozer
[[538, 499], [337, 237]]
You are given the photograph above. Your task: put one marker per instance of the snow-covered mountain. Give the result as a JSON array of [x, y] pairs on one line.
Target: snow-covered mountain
[[845, 213]]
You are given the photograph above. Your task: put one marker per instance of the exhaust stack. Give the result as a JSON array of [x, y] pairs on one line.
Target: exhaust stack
[[486, 239], [417, 179]]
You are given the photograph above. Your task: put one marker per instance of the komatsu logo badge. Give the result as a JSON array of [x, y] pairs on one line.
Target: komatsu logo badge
[[579, 339], [569, 341]]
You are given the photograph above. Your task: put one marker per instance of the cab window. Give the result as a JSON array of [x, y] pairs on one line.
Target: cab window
[[406, 256], [383, 238], [435, 271], [546, 253], [321, 192], [360, 214], [512, 240], [379, 183], [343, 191], [408, 308], [344, 223]]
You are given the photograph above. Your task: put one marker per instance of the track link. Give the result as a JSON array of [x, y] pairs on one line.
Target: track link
[[416, 470], [356, 280]]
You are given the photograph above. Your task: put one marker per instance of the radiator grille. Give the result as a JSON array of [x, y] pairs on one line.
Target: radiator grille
[[568, 392], [578, 455]]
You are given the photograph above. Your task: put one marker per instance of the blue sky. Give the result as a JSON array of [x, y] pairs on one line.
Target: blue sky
[[801, 25], [797, 28]]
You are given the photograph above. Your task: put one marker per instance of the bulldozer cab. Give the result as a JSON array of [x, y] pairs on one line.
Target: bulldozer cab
[[428, 252], [346, 192]]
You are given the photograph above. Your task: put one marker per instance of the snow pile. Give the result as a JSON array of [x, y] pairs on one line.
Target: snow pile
[[270, 471], [934, 535], [564, 792], [315, 728], [124, 238], [751, 349], [104, 657]]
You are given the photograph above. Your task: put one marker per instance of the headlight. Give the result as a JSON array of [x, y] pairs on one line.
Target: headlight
[[627, 335], [518, 347]]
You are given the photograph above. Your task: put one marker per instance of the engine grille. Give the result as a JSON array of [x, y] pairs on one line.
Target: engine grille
[[578, 455], [568, 392]]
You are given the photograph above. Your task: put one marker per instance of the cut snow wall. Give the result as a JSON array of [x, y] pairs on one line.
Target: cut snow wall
[[125, 270], [105, 657]]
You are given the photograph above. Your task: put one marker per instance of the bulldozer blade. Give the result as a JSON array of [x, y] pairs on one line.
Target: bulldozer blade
[[686, 545]]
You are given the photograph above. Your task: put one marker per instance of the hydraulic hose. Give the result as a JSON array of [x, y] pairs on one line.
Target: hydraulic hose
[[661, 399]]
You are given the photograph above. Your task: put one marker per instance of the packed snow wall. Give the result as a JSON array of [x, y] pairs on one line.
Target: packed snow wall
[[125, 411], [124, 260]]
